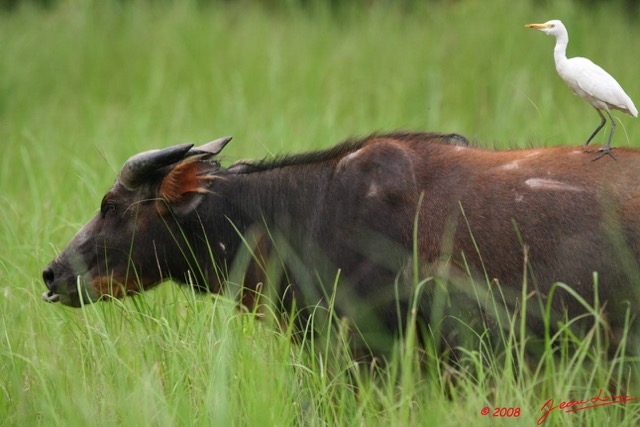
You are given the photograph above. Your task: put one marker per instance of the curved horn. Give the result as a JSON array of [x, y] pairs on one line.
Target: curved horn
[[137, 168], [210, 148]]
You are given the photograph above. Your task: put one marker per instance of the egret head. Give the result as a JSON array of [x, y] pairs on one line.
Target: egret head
[[550, 28]]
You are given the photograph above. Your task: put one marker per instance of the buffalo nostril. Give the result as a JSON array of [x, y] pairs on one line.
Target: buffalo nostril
[[48, 277]]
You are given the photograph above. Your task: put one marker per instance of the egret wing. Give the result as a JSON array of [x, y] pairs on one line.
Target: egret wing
[[599, 85]]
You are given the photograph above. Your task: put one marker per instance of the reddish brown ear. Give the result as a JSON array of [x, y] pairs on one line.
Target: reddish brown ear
[[185, 181]]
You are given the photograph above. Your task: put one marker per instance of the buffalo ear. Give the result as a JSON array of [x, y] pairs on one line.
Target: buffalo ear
[[183, 188]]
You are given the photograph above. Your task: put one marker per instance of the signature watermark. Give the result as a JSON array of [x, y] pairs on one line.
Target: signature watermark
[[580, 405]]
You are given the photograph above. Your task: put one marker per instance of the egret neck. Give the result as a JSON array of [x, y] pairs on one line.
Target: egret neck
[[560, 51]]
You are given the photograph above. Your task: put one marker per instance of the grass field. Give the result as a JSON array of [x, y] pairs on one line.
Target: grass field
[[84, 85]]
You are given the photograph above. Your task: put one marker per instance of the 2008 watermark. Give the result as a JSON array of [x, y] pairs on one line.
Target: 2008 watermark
[[501, 412], [549, 406]]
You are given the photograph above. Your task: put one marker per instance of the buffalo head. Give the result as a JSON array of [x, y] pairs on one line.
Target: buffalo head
[[133, 242]]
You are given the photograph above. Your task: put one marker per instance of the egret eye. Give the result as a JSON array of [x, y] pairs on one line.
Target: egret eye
[[552, 25]]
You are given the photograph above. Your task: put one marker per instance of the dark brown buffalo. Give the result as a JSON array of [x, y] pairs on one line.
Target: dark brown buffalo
[[355, 217]]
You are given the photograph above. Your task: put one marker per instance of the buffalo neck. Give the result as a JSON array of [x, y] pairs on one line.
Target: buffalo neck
[[286, 199]]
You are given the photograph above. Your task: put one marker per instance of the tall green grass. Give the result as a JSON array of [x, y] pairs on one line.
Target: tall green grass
[[84, 85]]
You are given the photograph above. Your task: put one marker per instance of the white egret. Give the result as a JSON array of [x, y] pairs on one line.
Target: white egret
[[588, 81]]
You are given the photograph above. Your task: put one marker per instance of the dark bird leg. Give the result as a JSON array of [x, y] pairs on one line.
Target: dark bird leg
[[602, 122], [607, 148]]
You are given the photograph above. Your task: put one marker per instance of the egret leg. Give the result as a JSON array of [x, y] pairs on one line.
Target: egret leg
[[607, 148], [595, 132]]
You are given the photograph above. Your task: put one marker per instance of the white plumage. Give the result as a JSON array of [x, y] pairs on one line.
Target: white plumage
[[588, 81]]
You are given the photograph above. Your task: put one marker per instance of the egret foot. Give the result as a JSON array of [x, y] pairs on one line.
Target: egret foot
[[603, 152]]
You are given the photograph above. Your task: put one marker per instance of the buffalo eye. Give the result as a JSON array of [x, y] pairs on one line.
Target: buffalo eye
[[108, 206]]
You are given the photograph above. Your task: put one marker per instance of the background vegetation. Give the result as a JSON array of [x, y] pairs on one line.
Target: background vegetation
[[84, 85]]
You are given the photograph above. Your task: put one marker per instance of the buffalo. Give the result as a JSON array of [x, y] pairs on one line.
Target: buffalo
[[378, 225]]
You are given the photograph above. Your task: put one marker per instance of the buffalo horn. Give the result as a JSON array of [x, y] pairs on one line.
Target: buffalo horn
[[137, 168], [210, 148]]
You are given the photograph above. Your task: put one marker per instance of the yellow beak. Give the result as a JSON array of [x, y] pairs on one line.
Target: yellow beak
[[537, 26]]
